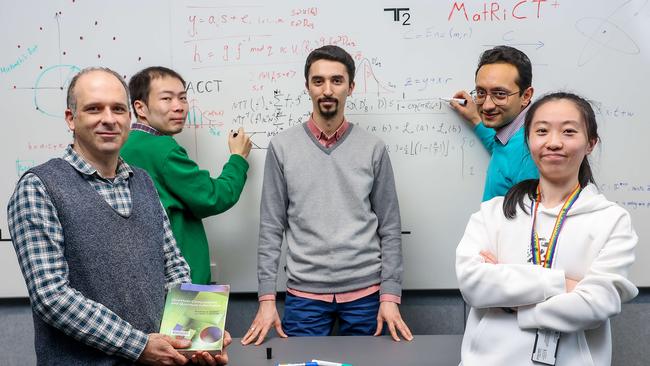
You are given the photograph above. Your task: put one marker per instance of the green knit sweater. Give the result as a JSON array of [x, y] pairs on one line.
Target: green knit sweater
[[188, 193]]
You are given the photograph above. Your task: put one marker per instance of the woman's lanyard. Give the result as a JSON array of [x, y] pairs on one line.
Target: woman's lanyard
[[547, 340], [559, 222]]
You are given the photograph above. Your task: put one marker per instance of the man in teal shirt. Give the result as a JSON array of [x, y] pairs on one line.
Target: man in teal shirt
[[188, 193], [497, 109]]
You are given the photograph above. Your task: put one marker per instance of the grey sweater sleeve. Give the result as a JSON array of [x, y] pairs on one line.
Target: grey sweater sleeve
[[273, 222], [383, 199]]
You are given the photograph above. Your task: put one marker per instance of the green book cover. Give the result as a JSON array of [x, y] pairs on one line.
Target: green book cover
[[197, 313]]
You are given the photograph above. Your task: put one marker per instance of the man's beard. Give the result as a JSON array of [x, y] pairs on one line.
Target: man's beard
[[328, 113]]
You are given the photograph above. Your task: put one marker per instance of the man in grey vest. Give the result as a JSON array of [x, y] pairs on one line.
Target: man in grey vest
[[94, 242], [329, 188]]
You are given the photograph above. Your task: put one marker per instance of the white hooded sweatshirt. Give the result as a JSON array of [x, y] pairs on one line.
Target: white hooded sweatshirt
[[595, 246]]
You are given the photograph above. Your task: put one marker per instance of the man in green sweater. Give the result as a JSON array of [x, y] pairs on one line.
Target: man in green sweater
[[187, 192]]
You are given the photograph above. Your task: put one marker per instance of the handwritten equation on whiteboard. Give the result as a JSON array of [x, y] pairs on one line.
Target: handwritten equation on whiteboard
[[631, 195]]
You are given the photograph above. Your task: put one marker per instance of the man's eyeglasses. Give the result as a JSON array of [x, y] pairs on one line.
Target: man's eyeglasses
[[499, 97]]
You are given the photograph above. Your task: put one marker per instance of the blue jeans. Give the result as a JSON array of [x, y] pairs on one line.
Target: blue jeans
[[306, 317]]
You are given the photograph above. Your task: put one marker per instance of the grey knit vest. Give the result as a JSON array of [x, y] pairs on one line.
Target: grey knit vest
[[113, 260]]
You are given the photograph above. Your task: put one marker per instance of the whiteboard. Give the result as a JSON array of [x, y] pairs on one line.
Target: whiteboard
[[243, 62]]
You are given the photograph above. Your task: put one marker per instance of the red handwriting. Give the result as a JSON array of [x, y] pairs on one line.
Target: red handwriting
[[495, 11], [236, 50], [313, 11], [46, 146], [203, 117], [274, 75], [297, 18]]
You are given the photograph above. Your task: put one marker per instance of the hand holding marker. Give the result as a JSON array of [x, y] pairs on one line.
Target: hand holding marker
[[460, 101]]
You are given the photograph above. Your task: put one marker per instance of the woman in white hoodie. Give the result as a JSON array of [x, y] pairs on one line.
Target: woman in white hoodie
[[545, 267]]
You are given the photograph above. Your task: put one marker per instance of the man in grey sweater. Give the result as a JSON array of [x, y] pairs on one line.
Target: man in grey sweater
[[329, 188]]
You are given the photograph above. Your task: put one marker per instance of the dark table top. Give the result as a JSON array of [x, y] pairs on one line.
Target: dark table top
[[358, 351]]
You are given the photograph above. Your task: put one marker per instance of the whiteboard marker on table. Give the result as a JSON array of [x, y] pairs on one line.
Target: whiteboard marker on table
[[460, 101], [329, 363]]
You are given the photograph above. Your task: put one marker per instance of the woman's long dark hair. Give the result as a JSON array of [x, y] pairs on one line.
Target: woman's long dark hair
[[516, 194]]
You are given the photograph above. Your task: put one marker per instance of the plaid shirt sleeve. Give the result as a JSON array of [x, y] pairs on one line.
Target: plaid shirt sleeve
[[176, 269], [38, 240]]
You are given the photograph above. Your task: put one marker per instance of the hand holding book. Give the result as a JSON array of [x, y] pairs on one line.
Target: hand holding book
[[205, 358], [197, 314]]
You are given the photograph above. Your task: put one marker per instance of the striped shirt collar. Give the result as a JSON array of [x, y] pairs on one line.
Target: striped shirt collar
[[137, 126], [124, 171], [505, 133]]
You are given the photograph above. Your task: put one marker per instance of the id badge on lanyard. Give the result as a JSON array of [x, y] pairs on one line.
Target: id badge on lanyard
[[545, 348], [547, 340]]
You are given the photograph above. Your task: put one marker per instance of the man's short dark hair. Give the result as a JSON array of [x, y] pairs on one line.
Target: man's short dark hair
[[514, 57], [140, 83], [331, 53]]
